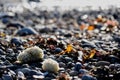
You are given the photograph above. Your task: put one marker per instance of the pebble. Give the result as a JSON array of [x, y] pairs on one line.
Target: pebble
[[57, 50], [78, 66], [15, 25], [7, 77], [16, 41], [21, 75], [24, 70], [26, 31], [38, 77]]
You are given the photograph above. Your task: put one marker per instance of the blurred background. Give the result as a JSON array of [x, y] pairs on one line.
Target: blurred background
[[20, 5]]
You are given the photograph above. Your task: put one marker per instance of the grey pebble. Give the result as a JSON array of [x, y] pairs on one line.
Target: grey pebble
[[6, 77]]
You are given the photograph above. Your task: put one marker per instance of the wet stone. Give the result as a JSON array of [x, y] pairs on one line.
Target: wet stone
[[7, 77], [21, 75], [2, 52], [26, 31], [16, 41]]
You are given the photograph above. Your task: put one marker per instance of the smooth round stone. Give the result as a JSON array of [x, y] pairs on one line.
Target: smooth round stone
[[5, 20], [117, 65], [26, 31], [68, 35], [112, 66], [3, 58], [21, 75], [45, 52], [15, 25], [70, 64], [7, 77], [34, 72], [46, 73], [78, 66], [61, 64], [61, 59], [50, 75], [73, 73], [45, 30], [9, 58], [9, 50], [20, 48], [87, 77], [2, 67], [11, 72], [62, 69], [58, 50], [24, 70], [51, 56], [2, 52], [102, 63], [38, 76], [68, 59], [25, 66], [16, 41], [12, 67], [7, 62]]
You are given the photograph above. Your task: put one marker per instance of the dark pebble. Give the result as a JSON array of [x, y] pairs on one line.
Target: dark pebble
[[2, 52], [6, 77], [16, 41], [26, 31], [58, 50], [15, 25]]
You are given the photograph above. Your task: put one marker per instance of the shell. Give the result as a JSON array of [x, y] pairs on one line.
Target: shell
[[31, 54], [50, 65]]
